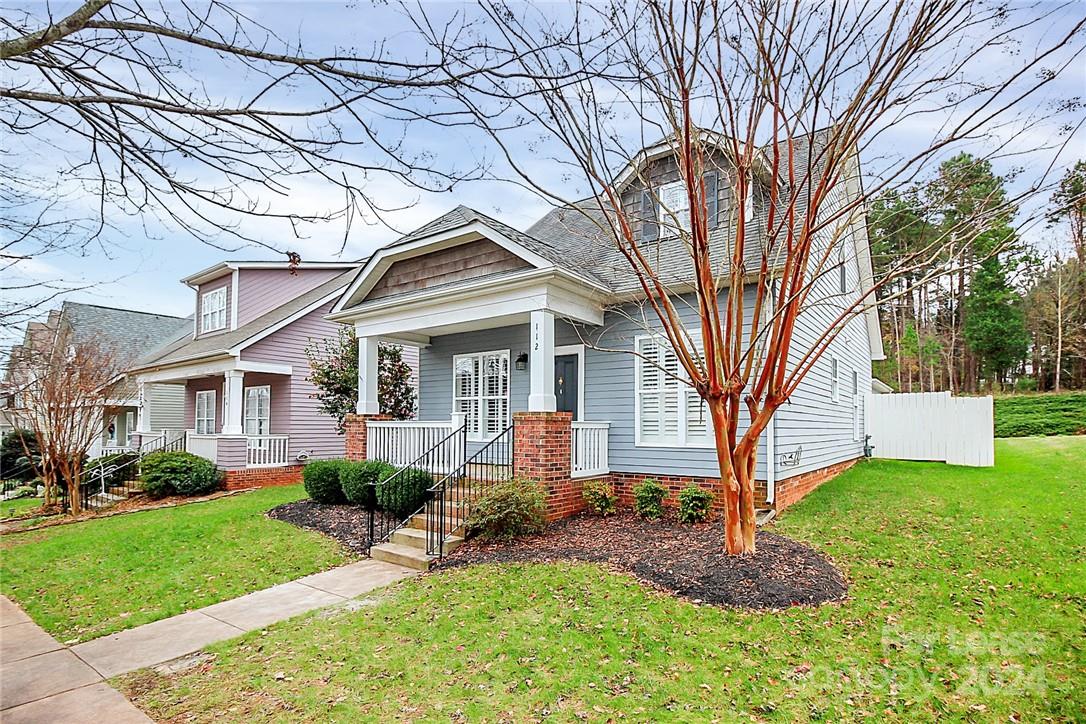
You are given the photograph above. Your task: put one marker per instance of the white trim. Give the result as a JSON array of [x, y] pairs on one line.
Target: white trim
[[541, 362], [481, 436], [217, 270], [835, 378], [577, 349], [245, 410], [379, 263], [196, 412], [233, 301], [213, 317], [189, 371]]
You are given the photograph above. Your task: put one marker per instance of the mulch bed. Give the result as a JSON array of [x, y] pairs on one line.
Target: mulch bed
[[686, 560], [347, 524]]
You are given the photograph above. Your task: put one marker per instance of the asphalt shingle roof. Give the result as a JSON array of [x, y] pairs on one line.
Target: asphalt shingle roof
[[129, 333]]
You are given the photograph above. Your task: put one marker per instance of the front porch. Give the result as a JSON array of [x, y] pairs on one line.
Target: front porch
[[236, 414]]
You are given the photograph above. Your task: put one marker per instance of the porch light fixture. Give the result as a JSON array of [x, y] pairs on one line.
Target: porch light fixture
[[522, 361]]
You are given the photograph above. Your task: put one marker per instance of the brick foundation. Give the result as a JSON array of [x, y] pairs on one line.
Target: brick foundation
[[354, 433], [541, 452], [262, 477], [788, 491]]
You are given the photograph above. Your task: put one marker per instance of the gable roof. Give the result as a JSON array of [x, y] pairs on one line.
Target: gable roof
[[185, 348]]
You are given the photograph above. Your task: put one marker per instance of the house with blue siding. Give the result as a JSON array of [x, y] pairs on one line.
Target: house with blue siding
[[543, 336]]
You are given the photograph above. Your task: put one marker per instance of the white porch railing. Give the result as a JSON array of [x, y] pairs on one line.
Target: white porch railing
[[588, 449], [402, 442], [206, 446], [267, 451], [115, 449]]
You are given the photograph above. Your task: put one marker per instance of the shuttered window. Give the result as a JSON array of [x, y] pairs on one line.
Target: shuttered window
[[481, 392], [674, 208], [669, 412]]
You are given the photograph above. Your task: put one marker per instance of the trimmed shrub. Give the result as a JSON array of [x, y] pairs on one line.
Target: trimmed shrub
[[694, 504], [90, 474], [649, 498], [359, 481], [404, 493], [599, 496], [321, 480], [178, 473], [509, 509]]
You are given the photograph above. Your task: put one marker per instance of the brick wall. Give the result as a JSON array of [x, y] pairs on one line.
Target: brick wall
[[541, 452], [791, 490], [262, 477], [354, 432]]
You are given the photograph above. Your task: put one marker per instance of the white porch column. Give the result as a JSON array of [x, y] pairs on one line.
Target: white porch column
[[367, 377], [541, 363], [233, 402], [143, 417]]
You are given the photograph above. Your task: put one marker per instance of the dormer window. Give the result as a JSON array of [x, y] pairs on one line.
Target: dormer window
[[665, 210], [674, 208], [213, 310]]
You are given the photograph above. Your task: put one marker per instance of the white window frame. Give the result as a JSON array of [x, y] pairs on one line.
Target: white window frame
[[213, 310], [129, 426], [246, 417], [667, 214], [685, 391], [856, 405], [477, 431], [835, 379], [209, 413]]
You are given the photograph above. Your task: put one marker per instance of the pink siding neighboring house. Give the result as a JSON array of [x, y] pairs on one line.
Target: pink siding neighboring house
[[261, 290]]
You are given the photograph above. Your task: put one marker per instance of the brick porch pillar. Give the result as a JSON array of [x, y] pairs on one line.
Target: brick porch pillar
[[541, 452], [354, 432]]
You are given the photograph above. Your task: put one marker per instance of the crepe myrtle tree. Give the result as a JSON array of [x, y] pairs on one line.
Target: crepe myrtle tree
[[766, 109], [334, 370]]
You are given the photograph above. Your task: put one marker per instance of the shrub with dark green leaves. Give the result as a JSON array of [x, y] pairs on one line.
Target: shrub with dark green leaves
[[321, 480], [14, 463], [509, 509], [359, 481], [694, 503], [649, 498], [117, 461], [599, 496], [178, 473], [404, 492]]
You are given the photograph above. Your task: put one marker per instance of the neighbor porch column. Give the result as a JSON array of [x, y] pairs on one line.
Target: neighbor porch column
[[367, 377], [541, 363], [143, 416], [233, 402]]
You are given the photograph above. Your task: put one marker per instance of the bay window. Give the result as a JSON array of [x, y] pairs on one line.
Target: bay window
[[481, 392], [669, 412]]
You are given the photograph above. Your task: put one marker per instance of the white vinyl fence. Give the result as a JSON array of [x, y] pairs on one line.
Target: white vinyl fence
[[932, 426]]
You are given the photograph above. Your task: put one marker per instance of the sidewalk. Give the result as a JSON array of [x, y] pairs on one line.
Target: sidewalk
[[41, 680]]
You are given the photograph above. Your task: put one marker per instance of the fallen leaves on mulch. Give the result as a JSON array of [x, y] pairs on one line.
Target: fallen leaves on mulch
[[687, 560], [348, 524]]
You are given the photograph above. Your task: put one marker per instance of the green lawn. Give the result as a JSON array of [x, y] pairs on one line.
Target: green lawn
[[1041, 414], [86, 580], [17, 507], [968, 603]]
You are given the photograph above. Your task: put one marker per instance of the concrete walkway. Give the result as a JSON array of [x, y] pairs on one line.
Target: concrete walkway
[[41, 680]]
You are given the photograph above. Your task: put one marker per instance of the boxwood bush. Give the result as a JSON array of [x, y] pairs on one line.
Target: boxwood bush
[[321, 480], [509, 509], [359, 481], [178, 473], [404, 493], [694, 504], [649, 498], [599, 496]]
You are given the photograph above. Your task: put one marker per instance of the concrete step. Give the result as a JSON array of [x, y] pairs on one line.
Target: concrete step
[[416, 538], [419, 521], [402, 555]]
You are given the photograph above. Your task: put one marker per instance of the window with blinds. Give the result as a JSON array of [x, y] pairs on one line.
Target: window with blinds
[[481, 392], [669, 411]]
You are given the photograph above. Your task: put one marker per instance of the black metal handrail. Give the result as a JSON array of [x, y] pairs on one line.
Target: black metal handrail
[[111, 482], [404, 494], [449, 503]]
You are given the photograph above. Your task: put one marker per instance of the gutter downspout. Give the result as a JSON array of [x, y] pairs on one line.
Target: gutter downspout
[[771, 428]]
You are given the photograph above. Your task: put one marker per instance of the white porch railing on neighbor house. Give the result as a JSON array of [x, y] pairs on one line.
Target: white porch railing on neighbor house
[[588, 449], [402, 442], [206, 446], [267, 451], [115, 449]]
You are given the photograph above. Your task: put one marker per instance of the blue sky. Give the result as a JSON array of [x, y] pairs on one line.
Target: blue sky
[[141, 262]]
